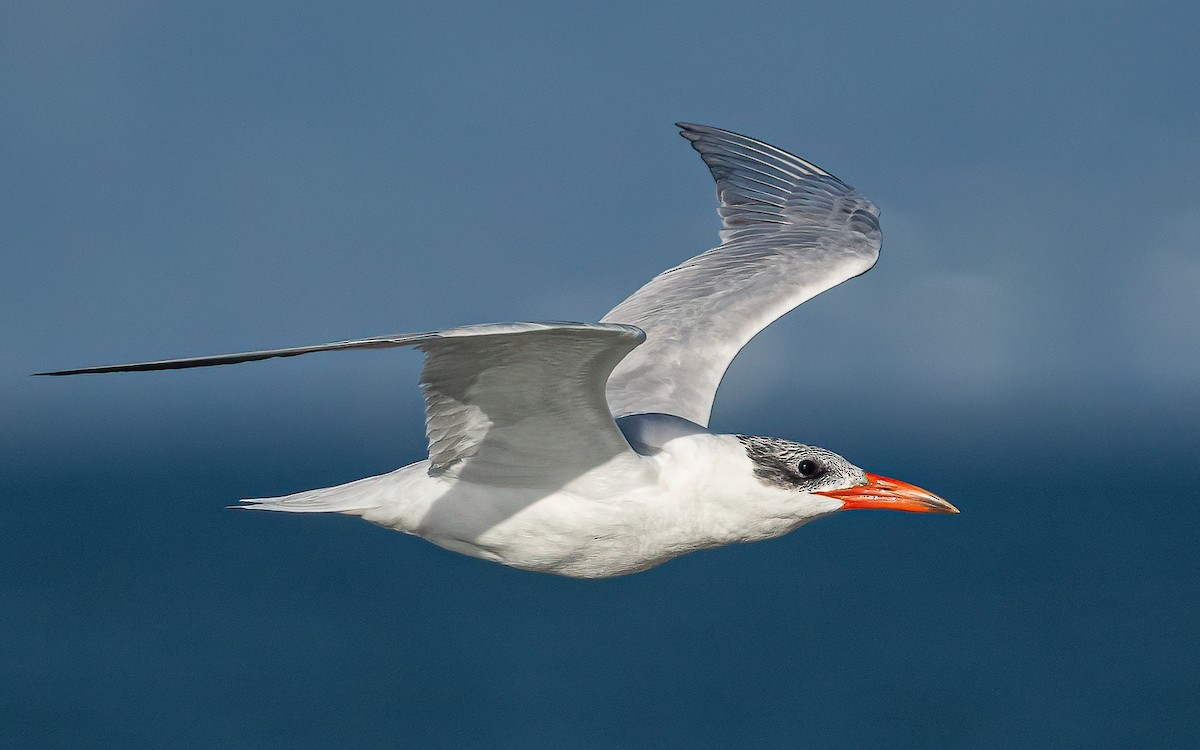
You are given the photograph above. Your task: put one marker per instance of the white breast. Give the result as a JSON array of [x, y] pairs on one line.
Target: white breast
[[701, 493]]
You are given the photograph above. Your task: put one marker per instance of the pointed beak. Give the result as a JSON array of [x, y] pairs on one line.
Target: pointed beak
[[890, 494]]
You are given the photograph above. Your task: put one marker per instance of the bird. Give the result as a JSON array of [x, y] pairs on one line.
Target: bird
[[582, 449]]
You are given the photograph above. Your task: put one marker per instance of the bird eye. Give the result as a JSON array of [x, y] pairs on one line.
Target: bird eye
[[808, 469]]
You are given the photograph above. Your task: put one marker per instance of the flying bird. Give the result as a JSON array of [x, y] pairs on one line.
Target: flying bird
[[582, 449]]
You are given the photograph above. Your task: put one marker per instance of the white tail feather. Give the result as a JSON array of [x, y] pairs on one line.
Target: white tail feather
[[354, 498]]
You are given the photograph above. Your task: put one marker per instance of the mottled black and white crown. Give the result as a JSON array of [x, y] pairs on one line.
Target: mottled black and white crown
[[806, 468]]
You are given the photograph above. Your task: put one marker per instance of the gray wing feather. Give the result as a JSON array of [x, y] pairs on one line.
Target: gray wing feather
[[790, 231], [523, 404], [505, 403]]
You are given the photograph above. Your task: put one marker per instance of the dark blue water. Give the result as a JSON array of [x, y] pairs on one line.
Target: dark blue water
[[136, 611]]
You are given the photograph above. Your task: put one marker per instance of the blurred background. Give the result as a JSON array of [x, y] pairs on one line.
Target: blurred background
[[202, 178]]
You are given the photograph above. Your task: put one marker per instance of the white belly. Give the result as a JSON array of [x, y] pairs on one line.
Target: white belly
[[606, 522], [594, 535]]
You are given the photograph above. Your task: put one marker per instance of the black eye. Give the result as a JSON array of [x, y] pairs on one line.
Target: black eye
[[808, 469]]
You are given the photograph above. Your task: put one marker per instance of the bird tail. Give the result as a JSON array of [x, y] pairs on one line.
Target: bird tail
[[353, 498]]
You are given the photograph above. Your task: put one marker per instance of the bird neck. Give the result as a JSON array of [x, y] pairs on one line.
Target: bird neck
[[713, 495]]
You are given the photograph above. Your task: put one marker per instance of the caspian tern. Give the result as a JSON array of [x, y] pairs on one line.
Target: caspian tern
[[582, 449]]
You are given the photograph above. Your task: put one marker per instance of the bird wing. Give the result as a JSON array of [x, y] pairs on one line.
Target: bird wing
[[791, 231], [506, 404], [523, 404]]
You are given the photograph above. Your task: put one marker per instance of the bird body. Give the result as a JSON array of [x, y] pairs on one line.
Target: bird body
[[697, 491], [582, 449]]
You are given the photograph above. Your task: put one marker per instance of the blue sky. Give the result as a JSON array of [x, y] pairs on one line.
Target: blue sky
[[190, 180], [185, 179]]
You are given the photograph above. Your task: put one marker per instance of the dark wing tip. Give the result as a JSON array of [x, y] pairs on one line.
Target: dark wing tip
[[138, 367], [189, 362], [694, 132], [744, 150], [80, 371], [693, 127], [761, 187]]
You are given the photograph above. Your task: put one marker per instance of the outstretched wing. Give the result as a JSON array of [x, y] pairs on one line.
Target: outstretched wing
[[791, 231], [505, 404]]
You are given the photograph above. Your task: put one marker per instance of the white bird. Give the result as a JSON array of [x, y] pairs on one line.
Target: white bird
[[582, 449]]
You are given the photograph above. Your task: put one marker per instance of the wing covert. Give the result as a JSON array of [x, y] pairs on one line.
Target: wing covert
[[523, 403]]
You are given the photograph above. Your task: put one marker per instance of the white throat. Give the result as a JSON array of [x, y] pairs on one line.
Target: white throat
[[709, 489]]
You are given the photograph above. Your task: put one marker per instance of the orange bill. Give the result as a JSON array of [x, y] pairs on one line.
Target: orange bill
[[890, 494]]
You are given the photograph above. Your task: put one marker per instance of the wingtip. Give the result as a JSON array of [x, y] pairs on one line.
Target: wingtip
[[692, 131], [700, 129], [82, 371]]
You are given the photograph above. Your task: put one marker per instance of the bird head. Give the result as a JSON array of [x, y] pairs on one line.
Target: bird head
[[814, 471]]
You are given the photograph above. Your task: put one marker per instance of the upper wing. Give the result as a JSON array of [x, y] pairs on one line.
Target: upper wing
[[505, 404], [791, 231], [523, 403]]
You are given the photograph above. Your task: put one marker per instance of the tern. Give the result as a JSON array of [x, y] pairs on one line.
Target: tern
[[583, 449]]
